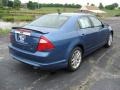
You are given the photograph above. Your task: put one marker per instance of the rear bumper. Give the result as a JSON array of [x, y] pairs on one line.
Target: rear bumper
[[38, 59]]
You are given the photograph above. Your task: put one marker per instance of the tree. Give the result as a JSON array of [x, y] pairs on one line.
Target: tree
[[1, 3], [16, 4], [33, 5], [30, 5], [115, 5], [92, 4], [78, 6], [10, 3], [101, 6], [5, 2], [87, 4], [110, 7]]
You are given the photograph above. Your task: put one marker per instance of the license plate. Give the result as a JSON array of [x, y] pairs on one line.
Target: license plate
[[21, 35], [21, 38]]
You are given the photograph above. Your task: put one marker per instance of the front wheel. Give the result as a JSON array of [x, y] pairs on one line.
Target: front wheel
[[110, 40], [75, 59]]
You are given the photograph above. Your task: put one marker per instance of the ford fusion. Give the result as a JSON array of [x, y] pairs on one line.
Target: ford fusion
[[56, 41]]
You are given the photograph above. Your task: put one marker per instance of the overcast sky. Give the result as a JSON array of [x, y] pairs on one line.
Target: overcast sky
[[82, 2]]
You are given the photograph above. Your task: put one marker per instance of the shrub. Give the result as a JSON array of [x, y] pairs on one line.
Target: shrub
[[23, 18], [117, 15], [8, 18], [17, 18], [109, 7], [4, 32]]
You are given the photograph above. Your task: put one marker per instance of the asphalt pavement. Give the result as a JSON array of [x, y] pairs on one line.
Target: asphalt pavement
[[99, 71]]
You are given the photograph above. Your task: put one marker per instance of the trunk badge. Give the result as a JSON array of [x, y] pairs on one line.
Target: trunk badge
[[21, 38]]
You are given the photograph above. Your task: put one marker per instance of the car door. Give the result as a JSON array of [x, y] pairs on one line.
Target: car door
[[88, 34], [102, 31]]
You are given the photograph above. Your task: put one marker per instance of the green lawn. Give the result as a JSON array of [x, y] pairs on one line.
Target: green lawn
[[4, 32], [111, 13], [28, 15], [17, 18], [53, 9]]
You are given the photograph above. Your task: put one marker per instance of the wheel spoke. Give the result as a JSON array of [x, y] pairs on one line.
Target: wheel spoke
[[76, 59]]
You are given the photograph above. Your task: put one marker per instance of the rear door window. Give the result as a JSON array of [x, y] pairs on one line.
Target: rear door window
[[95, 21], [84, 22]]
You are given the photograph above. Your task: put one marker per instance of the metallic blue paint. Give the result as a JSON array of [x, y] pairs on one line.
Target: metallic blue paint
[[64, 39]]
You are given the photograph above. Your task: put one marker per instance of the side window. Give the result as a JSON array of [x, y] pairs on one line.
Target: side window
[[95, 21], [84, 22], [77, 25]]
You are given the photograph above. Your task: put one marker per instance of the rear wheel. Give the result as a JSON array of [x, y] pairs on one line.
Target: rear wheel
[[110, 40], [75, 59]]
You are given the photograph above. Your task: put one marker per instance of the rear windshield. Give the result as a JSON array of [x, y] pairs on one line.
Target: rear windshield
[[50, 21]]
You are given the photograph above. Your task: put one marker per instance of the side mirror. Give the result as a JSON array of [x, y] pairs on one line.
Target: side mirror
[[103, 25]]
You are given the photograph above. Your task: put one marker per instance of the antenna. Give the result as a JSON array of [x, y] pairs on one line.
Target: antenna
[[59, 11]]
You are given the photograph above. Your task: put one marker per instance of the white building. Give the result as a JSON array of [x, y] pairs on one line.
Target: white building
[[91, 9]]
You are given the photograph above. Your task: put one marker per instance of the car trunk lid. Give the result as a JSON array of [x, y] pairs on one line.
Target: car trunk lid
[[26, 38]]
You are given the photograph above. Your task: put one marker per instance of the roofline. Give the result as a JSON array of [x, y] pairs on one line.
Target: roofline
[[72, 14]]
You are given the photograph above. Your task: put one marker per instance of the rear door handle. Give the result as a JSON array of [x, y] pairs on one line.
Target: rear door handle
[[83, 34]]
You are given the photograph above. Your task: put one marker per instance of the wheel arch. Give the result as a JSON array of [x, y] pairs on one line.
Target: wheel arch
[[112, 33], [71, 47], [81, 46]]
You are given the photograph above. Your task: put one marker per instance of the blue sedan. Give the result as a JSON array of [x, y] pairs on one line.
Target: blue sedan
[[56, 41]]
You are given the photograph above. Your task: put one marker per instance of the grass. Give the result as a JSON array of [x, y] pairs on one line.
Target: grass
[[4, 32], [53, 9], [29, 15], [111, 13], [17, 18], [45, 10]]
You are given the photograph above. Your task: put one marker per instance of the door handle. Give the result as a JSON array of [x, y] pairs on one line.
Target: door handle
[[83, 34]]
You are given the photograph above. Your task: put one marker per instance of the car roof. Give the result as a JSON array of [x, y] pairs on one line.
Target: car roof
[[72, 14]]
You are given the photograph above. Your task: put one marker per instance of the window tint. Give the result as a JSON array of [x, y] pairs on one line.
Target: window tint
[[84, 22], [50, 21], [95, 21]]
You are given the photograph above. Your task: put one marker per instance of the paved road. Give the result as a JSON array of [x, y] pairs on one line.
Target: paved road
[[99, 71]]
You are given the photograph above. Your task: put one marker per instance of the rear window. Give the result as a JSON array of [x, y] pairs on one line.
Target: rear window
[[50, 21]]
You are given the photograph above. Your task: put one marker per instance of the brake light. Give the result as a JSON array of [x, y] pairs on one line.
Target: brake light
[[44, 44]]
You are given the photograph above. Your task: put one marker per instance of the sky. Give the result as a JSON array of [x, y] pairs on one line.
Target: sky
[[81, 2]]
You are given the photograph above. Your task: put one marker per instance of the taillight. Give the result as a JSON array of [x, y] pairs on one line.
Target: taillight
[[44, 44]]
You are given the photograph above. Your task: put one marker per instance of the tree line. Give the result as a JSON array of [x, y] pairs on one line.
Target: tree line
[[109, 7], [35, 5], [8, 3], [16, 4]]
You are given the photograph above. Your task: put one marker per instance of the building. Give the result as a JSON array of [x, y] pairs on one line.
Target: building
[[91, 9]]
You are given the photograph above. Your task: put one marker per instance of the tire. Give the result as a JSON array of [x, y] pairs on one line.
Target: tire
[[109, 42], [74, 64]]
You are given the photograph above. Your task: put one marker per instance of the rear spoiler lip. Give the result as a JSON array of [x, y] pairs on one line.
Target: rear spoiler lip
[[30, 29]]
